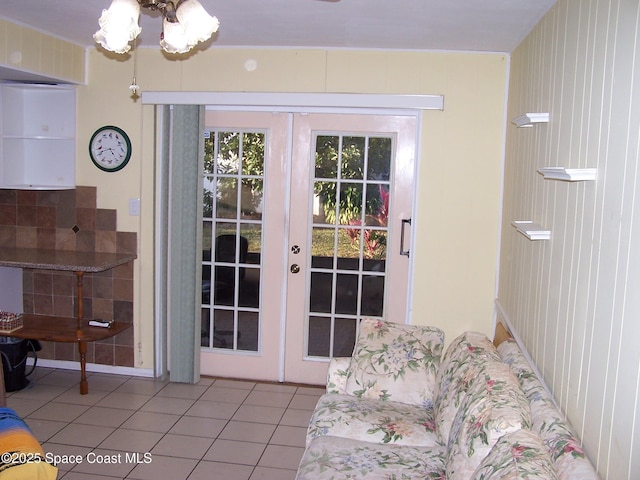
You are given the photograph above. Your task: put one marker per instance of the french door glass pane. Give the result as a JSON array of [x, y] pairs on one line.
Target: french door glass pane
[[327, 147], [322, 212], [353, 151], [371, 302], [331, 337], [319, 336], [251, 201], [379, 153], [233, 179], [344, 337], [349, 239]]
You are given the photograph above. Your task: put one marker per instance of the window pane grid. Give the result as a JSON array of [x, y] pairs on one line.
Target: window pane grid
[[232, 237], [348, 232]]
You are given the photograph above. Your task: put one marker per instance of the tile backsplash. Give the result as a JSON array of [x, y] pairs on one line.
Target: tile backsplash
[[70, 220]]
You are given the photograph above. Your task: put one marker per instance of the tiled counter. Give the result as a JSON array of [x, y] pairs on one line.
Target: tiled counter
[[70, 261], [60, 329], [34, 225]]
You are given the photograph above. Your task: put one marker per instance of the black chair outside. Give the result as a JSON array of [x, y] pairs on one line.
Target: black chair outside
[[224, 276]]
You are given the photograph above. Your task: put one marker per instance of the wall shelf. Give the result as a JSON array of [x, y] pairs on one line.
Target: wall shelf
[[529, 119], [531, 230], [569, 174], [37, 136]]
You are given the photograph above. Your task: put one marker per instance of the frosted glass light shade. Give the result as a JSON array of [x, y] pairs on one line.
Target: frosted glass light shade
[[174, 38], [197, 23], [118, 26]]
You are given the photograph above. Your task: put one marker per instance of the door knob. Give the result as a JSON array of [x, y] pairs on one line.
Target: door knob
[[295, 268]]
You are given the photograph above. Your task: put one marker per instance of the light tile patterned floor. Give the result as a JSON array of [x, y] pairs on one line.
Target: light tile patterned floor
[[138, 428]]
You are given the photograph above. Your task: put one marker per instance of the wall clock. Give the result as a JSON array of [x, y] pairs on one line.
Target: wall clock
[[110, 148]]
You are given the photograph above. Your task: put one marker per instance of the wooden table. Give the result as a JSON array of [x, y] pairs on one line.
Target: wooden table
[[65, 329]]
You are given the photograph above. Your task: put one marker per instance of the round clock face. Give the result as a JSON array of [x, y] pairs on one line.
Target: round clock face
[[110, 148]]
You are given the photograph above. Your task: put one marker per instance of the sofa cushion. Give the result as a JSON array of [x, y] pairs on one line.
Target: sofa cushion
[[331, 458], [372, 421], [493, 406], [395, 362], [517, 455], [460, 364], [548, 422]]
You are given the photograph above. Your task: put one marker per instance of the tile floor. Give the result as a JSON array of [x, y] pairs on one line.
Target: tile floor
[[139, 428]]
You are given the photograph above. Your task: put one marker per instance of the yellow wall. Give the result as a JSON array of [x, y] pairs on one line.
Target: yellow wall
[[27, 50], [460, 156]]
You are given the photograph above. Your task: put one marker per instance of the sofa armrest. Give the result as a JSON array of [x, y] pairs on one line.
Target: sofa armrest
[[337, 374], [549, 422]]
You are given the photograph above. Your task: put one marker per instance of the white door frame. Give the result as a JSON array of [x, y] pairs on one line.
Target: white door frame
[[301, 366], [379, 104]]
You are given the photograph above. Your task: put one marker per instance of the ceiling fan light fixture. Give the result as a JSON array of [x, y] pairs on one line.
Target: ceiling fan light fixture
[[118, 26], [185, 24], [174, 38], [198, 24]]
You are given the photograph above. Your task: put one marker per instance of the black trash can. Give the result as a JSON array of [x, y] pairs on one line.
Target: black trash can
[[14, 352]]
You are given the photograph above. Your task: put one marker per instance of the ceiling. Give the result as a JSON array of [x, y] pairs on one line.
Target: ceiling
[[468, 25]]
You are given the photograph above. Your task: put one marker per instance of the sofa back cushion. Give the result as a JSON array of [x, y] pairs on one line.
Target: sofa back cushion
[[517, 455], [395, 362], [461, 363], [493, 406]]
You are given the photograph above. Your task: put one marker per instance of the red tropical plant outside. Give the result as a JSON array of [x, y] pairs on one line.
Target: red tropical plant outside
[[373, 239]]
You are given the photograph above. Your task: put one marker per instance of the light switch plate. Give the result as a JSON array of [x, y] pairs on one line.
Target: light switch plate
[[134, 207]]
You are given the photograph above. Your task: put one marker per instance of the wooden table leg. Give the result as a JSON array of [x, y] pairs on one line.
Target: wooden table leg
[[82, 346], [79, 312], [84, 385]]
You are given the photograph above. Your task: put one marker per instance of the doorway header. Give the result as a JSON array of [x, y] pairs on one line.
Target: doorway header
[[295, 101]]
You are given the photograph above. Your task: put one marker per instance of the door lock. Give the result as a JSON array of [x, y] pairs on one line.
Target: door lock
[[295, 268]]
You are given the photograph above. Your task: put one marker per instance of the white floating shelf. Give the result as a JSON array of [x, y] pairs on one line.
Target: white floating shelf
[[529, 119], [569, 174], [532, 230]]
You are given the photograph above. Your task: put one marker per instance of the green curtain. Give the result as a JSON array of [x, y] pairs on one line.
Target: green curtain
[[184, 241]]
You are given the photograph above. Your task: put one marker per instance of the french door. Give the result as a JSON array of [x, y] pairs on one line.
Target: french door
[[303, 225]]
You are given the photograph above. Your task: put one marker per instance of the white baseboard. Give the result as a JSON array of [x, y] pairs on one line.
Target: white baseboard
[[93, 367]]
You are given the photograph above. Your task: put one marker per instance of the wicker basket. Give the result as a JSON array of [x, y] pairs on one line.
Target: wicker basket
[[10, 322]]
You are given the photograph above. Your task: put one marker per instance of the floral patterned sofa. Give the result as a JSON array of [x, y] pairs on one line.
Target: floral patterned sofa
[[401, 409]]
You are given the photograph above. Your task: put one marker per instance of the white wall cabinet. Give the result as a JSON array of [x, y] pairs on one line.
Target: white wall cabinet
[[37, 136]]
